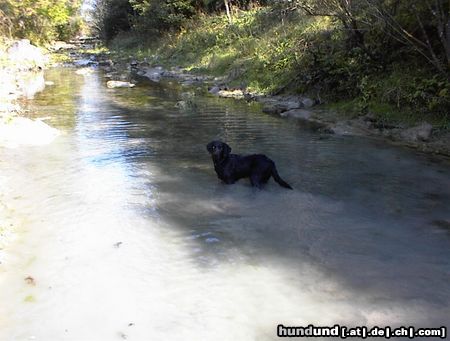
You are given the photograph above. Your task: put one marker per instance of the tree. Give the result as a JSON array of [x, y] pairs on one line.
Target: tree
[[348, 12], [40, 20], [163, 15], [111, 17], [423, 26]]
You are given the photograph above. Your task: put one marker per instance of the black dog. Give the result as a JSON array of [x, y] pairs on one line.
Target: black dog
[[231, 167]]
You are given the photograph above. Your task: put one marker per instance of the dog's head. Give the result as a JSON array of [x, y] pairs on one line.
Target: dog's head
[[219, 150]]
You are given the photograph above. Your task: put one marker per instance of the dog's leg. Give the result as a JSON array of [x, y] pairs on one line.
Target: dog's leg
[[256, 180]]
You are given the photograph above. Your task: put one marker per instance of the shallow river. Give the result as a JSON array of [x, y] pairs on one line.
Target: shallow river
[[126, 233]]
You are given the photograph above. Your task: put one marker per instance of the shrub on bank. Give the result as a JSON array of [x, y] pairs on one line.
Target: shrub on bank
[[269, 51], [40, 20]]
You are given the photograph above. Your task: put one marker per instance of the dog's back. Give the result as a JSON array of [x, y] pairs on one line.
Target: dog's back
[[248, 164]]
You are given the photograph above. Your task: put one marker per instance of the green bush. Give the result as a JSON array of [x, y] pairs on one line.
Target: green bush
[[40, 20], [272, 49], [421, 92]]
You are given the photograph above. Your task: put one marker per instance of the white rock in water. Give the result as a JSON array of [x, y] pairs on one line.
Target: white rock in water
[[22, 52], [30, 83], [23, 131], [119, 84], [84, 71]]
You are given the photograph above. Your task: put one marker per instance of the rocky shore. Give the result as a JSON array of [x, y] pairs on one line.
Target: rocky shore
[[21, 71], [21, 74], [423, 137]]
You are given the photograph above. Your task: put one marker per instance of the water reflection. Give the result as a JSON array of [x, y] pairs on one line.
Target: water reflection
[[30, 84], [128, 233]]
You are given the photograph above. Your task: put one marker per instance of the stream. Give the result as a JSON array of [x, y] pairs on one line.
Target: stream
[[125, 232]]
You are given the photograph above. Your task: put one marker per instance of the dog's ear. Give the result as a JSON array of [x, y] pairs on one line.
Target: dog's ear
[[226, 149], [209, 147]]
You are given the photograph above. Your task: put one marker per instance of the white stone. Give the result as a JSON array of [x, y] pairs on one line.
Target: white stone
[[23, 53], [119, 84]]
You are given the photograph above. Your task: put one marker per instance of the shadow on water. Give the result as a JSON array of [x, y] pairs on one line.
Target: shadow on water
[[361, 213], [359, 230]]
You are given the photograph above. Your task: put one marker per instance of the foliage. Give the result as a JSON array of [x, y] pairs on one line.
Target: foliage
[[162, 15], [363, 51], [142, 16], [422, 27], [112, 17], [419, 91], [40, 20]]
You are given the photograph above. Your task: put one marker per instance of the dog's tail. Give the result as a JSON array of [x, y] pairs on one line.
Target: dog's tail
[[278, 179]]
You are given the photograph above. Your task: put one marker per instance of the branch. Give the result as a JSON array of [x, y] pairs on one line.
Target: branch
[[436, 60]]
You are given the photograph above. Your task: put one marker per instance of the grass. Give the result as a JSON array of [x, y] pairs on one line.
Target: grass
[[59, 57], [271, 52], [255, 51], [386, 114]]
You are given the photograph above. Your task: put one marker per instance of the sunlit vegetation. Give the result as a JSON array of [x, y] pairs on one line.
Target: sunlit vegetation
[[363, 52], [40, 20]]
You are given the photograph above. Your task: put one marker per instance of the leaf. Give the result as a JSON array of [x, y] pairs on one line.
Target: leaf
[[443, 92], [29, 298]]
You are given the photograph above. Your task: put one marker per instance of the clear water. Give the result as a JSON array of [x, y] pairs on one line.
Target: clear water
[[128, 234]]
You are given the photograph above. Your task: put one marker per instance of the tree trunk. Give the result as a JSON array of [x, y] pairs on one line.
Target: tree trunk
[[227, 7]]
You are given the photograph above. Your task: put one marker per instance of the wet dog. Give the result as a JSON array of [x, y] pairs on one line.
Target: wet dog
[[232, 167]]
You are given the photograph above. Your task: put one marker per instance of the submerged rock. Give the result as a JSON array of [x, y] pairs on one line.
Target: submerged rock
[[277, 108], [308, 119], [214, 90], [421, 132], [106, 63], [302, 114], [134, 64], [154, 74], [119, 84], [84, 62], [350, 127], [19, 131], [307, 102], [443, 224], [84, 71], [278, 105], [181, 104], [186, 104]]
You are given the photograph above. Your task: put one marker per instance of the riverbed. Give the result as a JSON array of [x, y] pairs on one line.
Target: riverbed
[[125, 232]]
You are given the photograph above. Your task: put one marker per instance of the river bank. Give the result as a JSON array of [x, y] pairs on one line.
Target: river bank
[[22, 75], [291, 60], [22, 72], [422, 136]]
